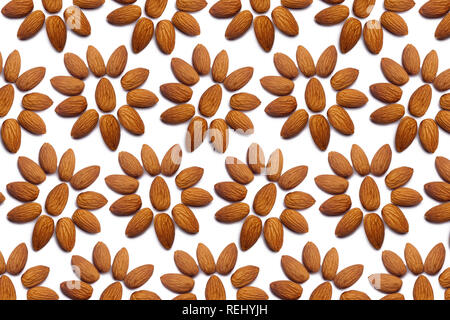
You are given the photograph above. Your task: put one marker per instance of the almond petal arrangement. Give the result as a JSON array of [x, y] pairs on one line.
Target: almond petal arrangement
[[105, 95], [182, 283], [263, 26], [419, 101], [210, 101], [439, 191], [391, 283], [31, 279], [340, 204], [32, 103], [56, 27], [372, 32], [160, 197], [89, 272], [183, 20], [437, 9], [31, 210], [264, 200], [315, 99], [299, 273]]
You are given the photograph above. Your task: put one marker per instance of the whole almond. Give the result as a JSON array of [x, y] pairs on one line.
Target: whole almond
[[294, 269], [286, 290], [178, 114], [42, 232], [47, 158], [231, 191], [139, 223], [101, 257], [294, 221], [393, 263], [176, 92], [225, 8], [285, 21], [239, 25], [381, 161], [332, 15], [405, 197], [85, 177], [7, 96], [12, 66], [171, 161], [196, 133], [439, 191], [23, 191], [42, 293], [315, 95], [351, 98], [292, 177], [430, 66], [348, 276], [354, 295], [331, 184], [186, 23], [326, 62], [251, 293], [264, 32], [95, 61], [165, 230], [205, 259], [86, 221], [294, 124], [214, 289], [85, 270], [144, 295], [243, 276], [56, 32], [311, 257], [386, 283], [413, 259], [434, 260], [201, 60], [350, 34], [30, 79], [124, 15], [17, 260], [138, 276], [159, 194], [65, 234], [177, 282], [142, 34], [273, 234], [320, 131], [374, 228], [443, 29], [298, 200], [394, 72], [227, 259], [105, 96], [322, 292], [112, 292], [388, 114], [196, 197], [25, 213], [219, 68], [423, 289], [77, 21], [395, 219], [76, 290], [434, 9], [165, 36], [122, 184], [233, 212], [344, 78], [184, 72], [126, 205], [30, 170], [185, 218], [18, 8], [386, 92], [305, 62], [444, 278], [88, 4], [110, 131], [69, 86], [369, 195], [7, 290], [411, 59], [11, 135], [76, 66], [185, 263], [120, 264], [443, 120], [66, 165], [398, 6], [429, 135], [210, 101], [71, 107], [373, 36], [442, 81], [394, 23], [238, 78], [339, 164], [31, 122], [57, 199]]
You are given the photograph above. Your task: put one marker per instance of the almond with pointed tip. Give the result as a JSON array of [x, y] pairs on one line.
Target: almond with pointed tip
[[386, 283], [17, 8], [286, 290], [77, 21], [381, 161], [225, 8], [413, 259], [374, 228], [165, 36], [30, 170], [264, 32], [285, 21], [233, 212], [126, 205], [124, 15], [214, 289], [243, 276], [47, 158], [239, 25], [373, 36], [394, 23], [85, 270], [395, 219], [86, 221], [348, 276], [57, 199], [42, 232], [41, 293], [369, 194], [65, 234], [331, 184], [66, 166], [422, 289], [405, 197], [31, 122], [320, 131], [443, 29], [165, 230], [186, 23], [393, 263], [76, 290], [120, 264], [434, 260], [142, 34], [11, 135], [138, 276], [238, 78], [56, 32], [177, 282], [332, 15], [388, 114], [349, 223]]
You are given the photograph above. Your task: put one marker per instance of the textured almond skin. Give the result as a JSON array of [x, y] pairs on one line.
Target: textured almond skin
[[23, 191], [430, 66], [339, 164], [394, 72], [76, 66], [292, 177], [11, 135], [244, 276], [374, 228], [225, 8], [65, 234], [395, 219], [67, 85], [7, 96], [435, 259], [393, 263], [239, 25], [264, 32], [294, 221], [386, 92], [381, 160], [285, 21], [186, 23], [144, 295], [177, 282], [255, 158], [185, 263], [250, 232], [354, 295], [413, 259], [165, 230], [139, 223], [138, 276], [369, 194], [331, 184], [120, 264], [76, 290], [214, 289], [231, 191], [7, 290], [348, 276], [124, 15], [30, 170], [42, 232], [24, 213], [101, 257], [265, 199], [142, 34], [286, 290], [17, 259], [56, 32], [205, 259], [185, 218], [398, 177], [219, 69], [251, 293], [165, 36], [422, 289], [386, 283], [112, 292], [86, 221], [85, 270], [406, 197], [336, 205], [273, 234], [332, 15], [57, 199], [41, 293], [227, 259], [322, 292], [394, 23], [294, 269], [298, 200]]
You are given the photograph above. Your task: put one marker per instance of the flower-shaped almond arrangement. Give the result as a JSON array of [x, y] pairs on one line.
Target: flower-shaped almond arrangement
[[439, 191], [391, 283], [264, 200], [31, 278], [160, 196], [369, 195], [88, 273], [298, 273], [164, 32], [263, 26], [34, 102], [214, 290], [211, 99], [434, 9], [372, 32], [56, 27], [419, 101], [315, 98], [105, 95], [55, 203]]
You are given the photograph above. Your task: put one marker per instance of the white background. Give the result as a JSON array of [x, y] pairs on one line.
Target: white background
[[298, 151]]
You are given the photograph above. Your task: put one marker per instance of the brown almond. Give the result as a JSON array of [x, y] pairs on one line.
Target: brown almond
[[7, 96], [292, 177], [243, 276], [225, 8], [405, 197], [238, 170], [76, 290], [255, 158], [322, 292], [77, 21], [331, 184], [326, 62], [196, 197], [373, 36], [386, 92], [348, 276], [294, 221], [434, 9], [395, 219], [227, 259], [239, 25], [112, 292], [30, 170], [411, 59], [86, 221], [298, 200], [429, 135], [47, 158], [233, 212], [319, 129], [177, 282], [422, 289], [394, 23], [17, 8], [101, 257], [71, 107], [76, 66], [165, 36], [344, 78], [336, 205], [351, 98], [184, 72], [65, 234], [11, 135], [30, 79], [120, 264], [330, 264], [126, 205], [442, 81], [443, 29], [122, 184], [178, 114], [105, 96], [66, 165], [413, 259], [350, 34], [369, 195], [315, 95], [110, 131], [165, 230], [386, 283], [388, 114], [264, 32], [394, 72], [56, 32], [244, 101], [69, 86], [85, 177], [95, 61], [214, 289], [23, 191], [311, 257], [238, 78], [142, 34], [398, 6], [42, 232], [139, 223], [219, 68], [420, 101], [231, 191], [434, 260], [17, 259], [205, 259], [186, 23], [185, 263], [354, 295], [381, 161], [251, 293], [332, 15], [305, 62], [25, 213], [31, 122], [294, 269], [430, 66], [138, 276], [124, 15], [339, 164], [85, 270], [374, 228], [393, 263], [285, 21], [41, 293], [439, 191], [57, 199], [273, 234], [286, 290]]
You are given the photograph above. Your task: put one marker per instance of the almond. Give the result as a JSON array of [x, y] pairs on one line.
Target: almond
[[117, 62], [336, 205], [369, 195], [386, 283], [23, 191], [30, 170], [69, 86], [42, 232], [373, 36], [322, 292], [105, 96], [298, 200], [176, 92], [186, 23], [243, 276], [72, 106], [238, 78], [120, 264], [66, 165], [311, 257], [430, 66], [57, 199], [17, 260], [88, 4], [41, 293], [238, 170], [442, 81], [327, 62], [292, 177], [130, 120], [374, 228], [12, 66], [17, 8], [394, 23], [165, 230], [233, 212], [76, 290], [350, 34], [101, 257], [296, 4], [142, 34], [286, 290], [184, 72], [239, 25], [274, 165], [185, 263], [351, 98], [315, 95], [395, 219], [264, 32], [201, 60], [251, 293], [405, 197], [110, 131], [439, 191], [305, 62], [11, 135], [354, 295], [205, 259], [413, 259], [56, 32], [85, 270], [231, 191], [255, 158], [444, 278], [177, 282], [7, 96], [210, 101], [126, 205], [423, 289], [411, 59], [294, 124], [434, 9], [393, 263], [86, 221], [344, 78], [244, 101], [76, 66], [138, 276], [285, 21], [139, 223], [85, 177], [320, 131], [429, 135], [394, 72], [144, 295], [398, 6], [30, 79], [381, 161], [227, 259], [25, 213], [122, 184], [47, 158], [171, 161], [339, 164], [434, 260], [444, 101], [196, 133], [196, 197], [31, 122], [388, 114], [65, 234], [124, 15], [332, 15], [7, 290], [420, 101], [165, 36], [386, 92], [95, 61], [294, 221], [443, 120], [77, 21], [260, 6], [219, 68], [331, 184], [348, 276], [273, 234], [178, 114], [225, 8], [443, 29], [112, 292], [294, 269], [214, 289]]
